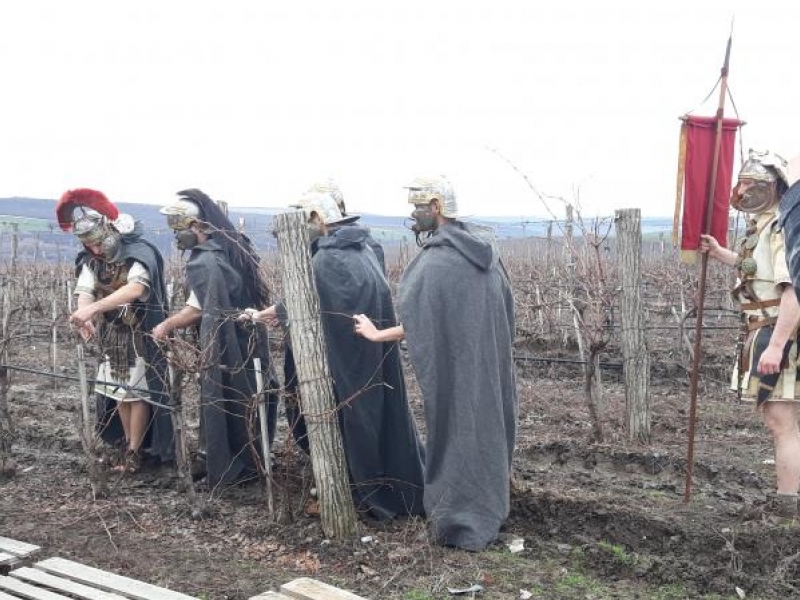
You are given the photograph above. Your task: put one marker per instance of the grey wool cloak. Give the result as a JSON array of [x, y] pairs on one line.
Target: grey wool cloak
[[294, 417], [229, 423], [383, 451], [457, 309]]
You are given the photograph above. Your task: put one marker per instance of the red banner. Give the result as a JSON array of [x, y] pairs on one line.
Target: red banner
[[696, 157]]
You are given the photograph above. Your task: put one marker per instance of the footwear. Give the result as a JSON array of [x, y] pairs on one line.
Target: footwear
[[198, 468], [132, 463], [782, 505]]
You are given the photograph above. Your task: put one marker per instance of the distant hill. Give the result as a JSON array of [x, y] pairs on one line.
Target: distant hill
[[40, 235]]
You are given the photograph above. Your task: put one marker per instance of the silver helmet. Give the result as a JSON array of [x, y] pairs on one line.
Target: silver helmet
[[330, 187], [95, 220], [759, 178], [425, 189], [97, 231], [324, 205], [181, 214]]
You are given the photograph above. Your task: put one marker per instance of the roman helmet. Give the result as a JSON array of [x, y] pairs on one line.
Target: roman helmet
[[330, 187], [324, 205], [181, 215], [95, 220], [421, 192], [765, 176]]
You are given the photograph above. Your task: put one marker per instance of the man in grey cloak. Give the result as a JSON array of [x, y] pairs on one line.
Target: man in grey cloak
[[384, 454], [457, 312]]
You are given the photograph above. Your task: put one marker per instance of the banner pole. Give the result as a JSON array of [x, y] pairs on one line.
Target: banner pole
[[698, 329]]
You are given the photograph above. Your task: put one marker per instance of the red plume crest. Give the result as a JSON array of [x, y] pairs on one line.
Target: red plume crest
[[93, 199]]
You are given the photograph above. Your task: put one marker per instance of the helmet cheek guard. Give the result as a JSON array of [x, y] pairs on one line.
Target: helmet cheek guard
[[760, 177]]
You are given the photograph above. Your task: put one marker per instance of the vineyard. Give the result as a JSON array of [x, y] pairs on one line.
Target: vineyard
[[600, 513]]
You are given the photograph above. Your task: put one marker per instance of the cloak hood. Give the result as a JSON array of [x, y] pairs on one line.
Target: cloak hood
[[474, 242], [344, 237]]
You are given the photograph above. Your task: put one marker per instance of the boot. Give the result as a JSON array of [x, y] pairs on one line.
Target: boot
[[782, 505]]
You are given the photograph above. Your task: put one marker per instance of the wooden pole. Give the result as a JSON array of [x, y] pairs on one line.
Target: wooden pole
[[635, 357], [698, 329], [6, 425], [54, 330], [182, 462], [14, 247], [313, 375], [97, 476], [84, 387]]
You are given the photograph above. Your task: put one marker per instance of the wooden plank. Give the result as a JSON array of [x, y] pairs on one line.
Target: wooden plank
[[17, 548], [270, 596], [59, 584], [306, 588], [110, 582], [24, 590], [8, 559]]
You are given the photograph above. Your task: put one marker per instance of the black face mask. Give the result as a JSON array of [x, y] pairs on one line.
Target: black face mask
[[186, 239], [424, 219], [424, 223]]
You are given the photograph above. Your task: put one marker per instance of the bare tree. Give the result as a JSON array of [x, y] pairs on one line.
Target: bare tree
[[587, 291]]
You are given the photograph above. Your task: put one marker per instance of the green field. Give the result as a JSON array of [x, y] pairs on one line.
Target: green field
[[7, 223]]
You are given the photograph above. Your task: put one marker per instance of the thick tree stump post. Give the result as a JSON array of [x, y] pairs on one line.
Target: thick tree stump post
[[635, 357], [313, 375]]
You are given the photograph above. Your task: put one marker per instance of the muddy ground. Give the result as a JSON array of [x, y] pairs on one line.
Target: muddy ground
[[598, 520]]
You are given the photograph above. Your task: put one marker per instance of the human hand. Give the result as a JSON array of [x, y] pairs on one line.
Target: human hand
[[708, 243], [248, 314], [82, 315], [365, 328], [87, 331], [161, 331], [770, 360], [270, 315]]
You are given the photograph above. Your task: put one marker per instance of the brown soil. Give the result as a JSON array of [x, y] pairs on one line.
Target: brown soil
[[598, 520]]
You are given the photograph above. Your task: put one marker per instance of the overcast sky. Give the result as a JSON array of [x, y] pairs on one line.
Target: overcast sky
[[252, 101]]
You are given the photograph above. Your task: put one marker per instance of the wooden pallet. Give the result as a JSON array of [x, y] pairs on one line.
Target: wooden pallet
[[13, 552], [62, 579], [306, 588], [52, 578]]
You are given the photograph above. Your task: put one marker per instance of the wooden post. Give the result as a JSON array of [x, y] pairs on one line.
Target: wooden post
[[68, 290], [635, 357], [86, 416], [54, 330], [14, 247], [570, 258], [182, 462], [97, 476], [568, 235], [6, 426], [313, 374]]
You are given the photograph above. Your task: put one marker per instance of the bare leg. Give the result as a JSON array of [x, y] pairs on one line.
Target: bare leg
[[139, 417], [781, 420], [124, 410]]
